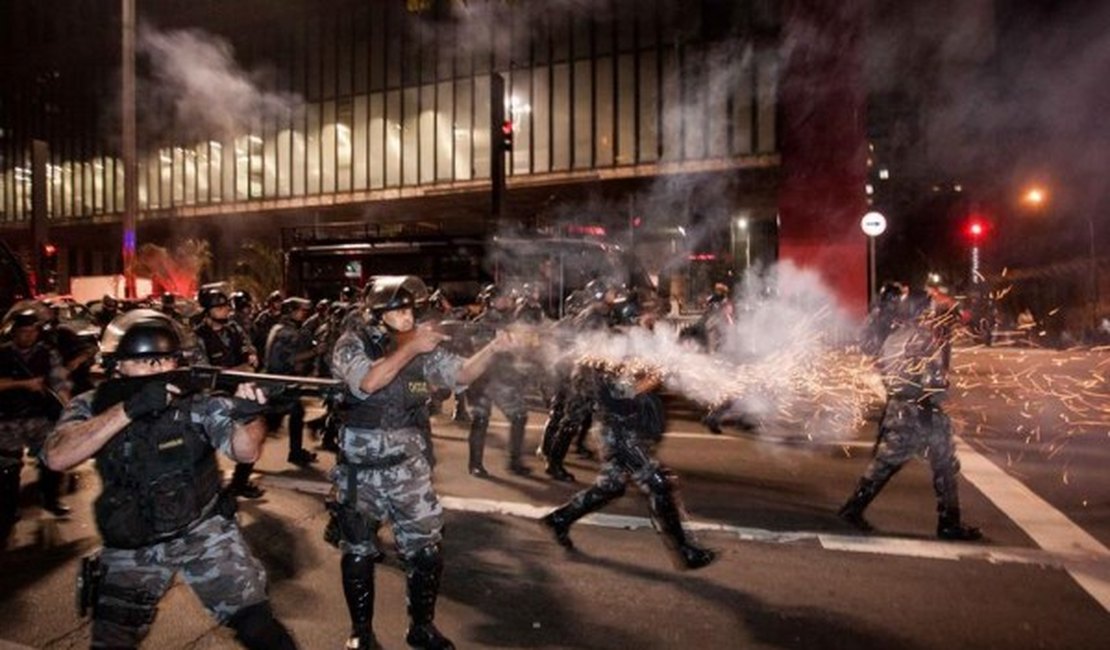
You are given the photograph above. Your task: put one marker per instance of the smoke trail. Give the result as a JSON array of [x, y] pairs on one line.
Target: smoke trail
[[211, 95]]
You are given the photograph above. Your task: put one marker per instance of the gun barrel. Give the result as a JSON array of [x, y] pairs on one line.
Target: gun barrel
[[301, 383]]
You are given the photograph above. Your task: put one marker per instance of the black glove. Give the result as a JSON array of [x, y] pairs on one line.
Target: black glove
[[245, 410], [151, 399]]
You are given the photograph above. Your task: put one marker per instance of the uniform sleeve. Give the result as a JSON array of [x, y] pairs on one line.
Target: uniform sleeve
[[350, 362], [59, 377], [213, 414], [79, 409], [201, 353], [441, 368]]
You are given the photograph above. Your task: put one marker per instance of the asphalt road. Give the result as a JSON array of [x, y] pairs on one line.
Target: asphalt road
[[790, 574]]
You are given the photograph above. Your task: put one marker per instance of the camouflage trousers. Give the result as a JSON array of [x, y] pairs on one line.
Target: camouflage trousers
[[392, 483], [29, 433], [909, 430], [507, 394], [214, 561], [625, 456]]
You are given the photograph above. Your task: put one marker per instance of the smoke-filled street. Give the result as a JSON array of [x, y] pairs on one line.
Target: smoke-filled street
[[790, 574]]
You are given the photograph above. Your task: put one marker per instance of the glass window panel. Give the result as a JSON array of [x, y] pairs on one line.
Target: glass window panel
[[626, 110], [693, 105], [766, 95], [344, 46], [361, 141], [410, 154], [312, 148], [649, 107], [742, 100], [393, 49], [445, 37], [215, 171], [427, 134], [200, 153], [283, 161], [98, 184], [327, 51], [119, 184], [377, 129], [672, 110], [520, 111], [541, 114], [149, 171], [270, 163], [328, 149], [361, 56], [721, 72], [344, 115], [177, 175], [87, 190], [393, 138], [314, 53], [445, 130], [463, 130], [377, 46], [541, 29], [242, 168], [230, 156], [165, 179], [560, 130], [300, 153], [583, 139], [190, 175], [481, 127], [255, 160], [603, 149]]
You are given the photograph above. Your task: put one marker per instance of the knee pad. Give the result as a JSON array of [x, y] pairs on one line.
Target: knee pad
[[609, 487], [426, 558], [124, 607], [659, 481], [256, 627]]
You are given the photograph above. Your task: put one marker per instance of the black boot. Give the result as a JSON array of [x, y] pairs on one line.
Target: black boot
[[476, 442], [241, 484], [852, 511], [558, 521], [949, 527], [667, 516], [424, 571], [516, 446], [9, 494], [460, 414], [358, 589], [50, 484], [560, 445]]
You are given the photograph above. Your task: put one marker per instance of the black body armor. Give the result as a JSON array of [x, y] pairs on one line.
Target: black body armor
[[401, 404], [21, 403]]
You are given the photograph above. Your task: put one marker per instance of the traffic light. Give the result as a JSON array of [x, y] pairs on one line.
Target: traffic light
[[977, 228], [48, 268], [507, 135]]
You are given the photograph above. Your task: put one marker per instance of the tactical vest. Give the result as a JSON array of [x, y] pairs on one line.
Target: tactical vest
[[221, 354], [20, 403], [401, 404], [159, 475]]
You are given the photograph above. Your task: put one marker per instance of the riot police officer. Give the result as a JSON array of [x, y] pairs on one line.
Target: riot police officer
[[882, 318], [318, 317], [242, 310], [913, 363], [500, 386], [106, 311], [633, 422], [266, 319], [290, 350], [383, 470], [224, 344], [33, 389], [161, 512]]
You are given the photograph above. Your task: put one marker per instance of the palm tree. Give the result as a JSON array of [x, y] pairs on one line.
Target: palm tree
[[259, 270]]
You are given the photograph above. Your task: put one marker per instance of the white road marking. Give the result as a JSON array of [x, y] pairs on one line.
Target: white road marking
[[1047, 526], [1073, 561]]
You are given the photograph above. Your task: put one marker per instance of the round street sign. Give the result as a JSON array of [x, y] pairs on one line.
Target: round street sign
[[873, 224]]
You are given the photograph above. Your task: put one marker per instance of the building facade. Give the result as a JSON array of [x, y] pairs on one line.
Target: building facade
[[254, 116]]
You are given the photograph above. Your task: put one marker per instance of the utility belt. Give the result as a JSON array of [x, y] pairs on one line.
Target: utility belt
[[364, 418], [344, 520]]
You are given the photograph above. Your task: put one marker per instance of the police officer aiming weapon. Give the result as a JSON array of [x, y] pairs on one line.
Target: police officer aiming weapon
[[162, 511]]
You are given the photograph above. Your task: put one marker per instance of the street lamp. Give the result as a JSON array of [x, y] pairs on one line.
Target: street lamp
[[873, 224]]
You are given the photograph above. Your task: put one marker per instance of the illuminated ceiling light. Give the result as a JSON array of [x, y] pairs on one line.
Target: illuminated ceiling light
[[884, 173], [958, 188], [869, 189]]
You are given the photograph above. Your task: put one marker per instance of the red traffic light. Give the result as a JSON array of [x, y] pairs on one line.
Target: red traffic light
[[49, 250], [977, 228], [507, 135]]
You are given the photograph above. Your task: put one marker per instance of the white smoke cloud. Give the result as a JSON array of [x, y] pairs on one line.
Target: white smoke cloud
[[211, 95]]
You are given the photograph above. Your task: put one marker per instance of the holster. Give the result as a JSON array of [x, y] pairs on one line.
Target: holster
[[88, 583]]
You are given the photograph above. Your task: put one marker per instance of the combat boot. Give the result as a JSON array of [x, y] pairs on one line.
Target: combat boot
[[424, 571], [667, 517], [852, 511], [558, 525], [592, 499], [950, 528], [516, 446], [358, 589], [476, 443]]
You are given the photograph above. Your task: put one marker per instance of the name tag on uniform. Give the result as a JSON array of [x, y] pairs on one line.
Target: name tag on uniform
[[171, 444], [418, 387]]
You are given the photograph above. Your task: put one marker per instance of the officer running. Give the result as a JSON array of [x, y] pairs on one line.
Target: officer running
[[290, 350], [383, 471], [161, 511]]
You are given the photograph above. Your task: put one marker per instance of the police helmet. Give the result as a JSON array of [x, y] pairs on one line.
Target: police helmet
[[626, 311], [489, 293], [211, 298], [347, 294], [28, 317], [596, 289], [139, 334], [168, 299], [275, 296], [109, 302], [322, 305], [241, 300], [890, 292], [294, 303], [388, 292]]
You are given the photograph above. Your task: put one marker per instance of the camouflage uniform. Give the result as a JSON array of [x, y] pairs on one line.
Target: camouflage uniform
[[384, 474], [914, 366], [286, 340], [632, 424], [209, 551]]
